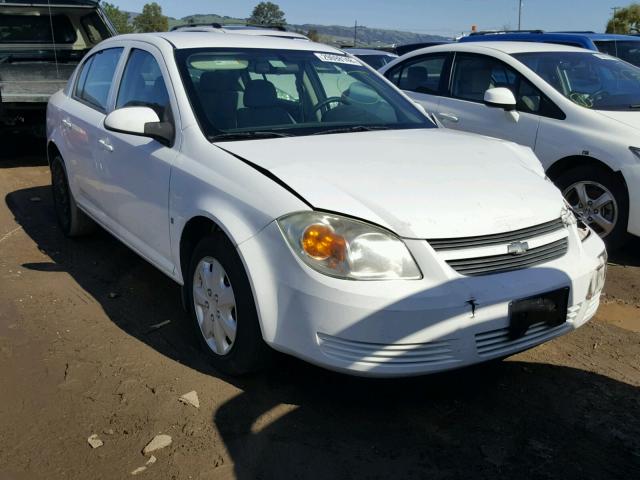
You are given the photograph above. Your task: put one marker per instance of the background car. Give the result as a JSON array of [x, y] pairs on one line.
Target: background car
[[410, 47], [626, 47], [577, 109], [294, 223], [375, 58], [40, 46]]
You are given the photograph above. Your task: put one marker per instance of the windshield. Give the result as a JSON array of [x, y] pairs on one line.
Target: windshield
[[376, 61], [629, 51], [591, 80], [36, 28], [256, 93]]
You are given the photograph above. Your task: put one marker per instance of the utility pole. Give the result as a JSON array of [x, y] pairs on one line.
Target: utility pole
[[355, 34], [615, 21], [519, 14]]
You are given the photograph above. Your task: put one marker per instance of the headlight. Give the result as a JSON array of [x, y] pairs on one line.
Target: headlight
[[346, 248], [635, 151], [569, 218]]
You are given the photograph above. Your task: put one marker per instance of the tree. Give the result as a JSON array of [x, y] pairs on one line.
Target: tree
[[119, 18], [313, 35], [151, 19], [625, 20], [267, 13]]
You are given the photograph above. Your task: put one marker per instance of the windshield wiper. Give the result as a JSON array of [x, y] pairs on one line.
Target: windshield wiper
[[247, 136], [354, 128], [634, 107]]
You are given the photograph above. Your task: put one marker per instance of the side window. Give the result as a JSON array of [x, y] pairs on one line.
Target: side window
[[142, 85], [473, 75], [423, 75], [94, 81]]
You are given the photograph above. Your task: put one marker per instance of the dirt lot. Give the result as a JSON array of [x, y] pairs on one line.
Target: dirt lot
[[78, 356]]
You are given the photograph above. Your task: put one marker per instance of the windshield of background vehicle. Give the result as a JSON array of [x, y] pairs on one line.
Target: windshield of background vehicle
[[627, 51], [289, 92], [31, 33], [591, 80]]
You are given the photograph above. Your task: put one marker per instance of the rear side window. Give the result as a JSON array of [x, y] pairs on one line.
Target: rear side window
[[143, 85], [95, 28], [36, 29], [96, 76], [423, 74]]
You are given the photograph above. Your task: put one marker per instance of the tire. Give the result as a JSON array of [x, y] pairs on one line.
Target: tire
[[597, 182], [72, 221], [222, 308]]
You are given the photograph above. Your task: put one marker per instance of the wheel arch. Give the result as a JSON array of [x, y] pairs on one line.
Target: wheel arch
[[52, 151], [567, 163]]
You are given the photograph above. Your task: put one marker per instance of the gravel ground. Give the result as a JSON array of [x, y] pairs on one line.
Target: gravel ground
[[79, 356]]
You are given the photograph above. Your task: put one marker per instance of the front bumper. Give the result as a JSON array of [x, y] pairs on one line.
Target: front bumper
[[406, 327]]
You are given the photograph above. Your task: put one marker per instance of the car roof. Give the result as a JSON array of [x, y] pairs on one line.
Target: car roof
[[504, 47], [264, 32], [200, 39], [368, 51], [550, 36]]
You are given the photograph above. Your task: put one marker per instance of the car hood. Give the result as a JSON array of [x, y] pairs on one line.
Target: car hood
[[631, 119], [427, 183]]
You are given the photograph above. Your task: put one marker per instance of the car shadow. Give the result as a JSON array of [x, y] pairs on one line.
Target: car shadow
[[629, 255], [510, 419], [21, 150]]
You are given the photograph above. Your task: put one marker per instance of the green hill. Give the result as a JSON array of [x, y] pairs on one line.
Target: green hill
[[333, 34]]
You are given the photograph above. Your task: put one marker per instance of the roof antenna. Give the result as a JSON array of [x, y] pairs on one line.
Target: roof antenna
[[53, 39]]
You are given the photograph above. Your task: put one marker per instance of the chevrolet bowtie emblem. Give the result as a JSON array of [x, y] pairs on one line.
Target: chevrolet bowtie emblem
[[518, 248]]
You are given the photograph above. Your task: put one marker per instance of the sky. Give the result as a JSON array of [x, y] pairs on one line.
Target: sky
[[439, 17]]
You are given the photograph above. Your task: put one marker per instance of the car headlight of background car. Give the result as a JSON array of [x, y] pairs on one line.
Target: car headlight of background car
[[346, 248]]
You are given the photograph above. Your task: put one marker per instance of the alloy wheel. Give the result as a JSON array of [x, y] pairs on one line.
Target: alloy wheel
[[594, 204], [215, 305]]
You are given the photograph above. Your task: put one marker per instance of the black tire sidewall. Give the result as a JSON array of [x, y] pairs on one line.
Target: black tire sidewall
[[64, 223], [619, 236], [248, 353]]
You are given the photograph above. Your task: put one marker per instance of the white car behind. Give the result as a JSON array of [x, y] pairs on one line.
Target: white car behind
[[577, 109], [308, 206]]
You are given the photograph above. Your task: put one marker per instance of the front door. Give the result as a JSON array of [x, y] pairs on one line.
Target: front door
[[136, 170], [464, 108]]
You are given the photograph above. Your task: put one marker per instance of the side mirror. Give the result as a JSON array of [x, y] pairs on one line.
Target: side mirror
[[500, 98], [140, 121]]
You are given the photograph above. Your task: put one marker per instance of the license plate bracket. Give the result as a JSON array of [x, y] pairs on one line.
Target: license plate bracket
[[549, 308]]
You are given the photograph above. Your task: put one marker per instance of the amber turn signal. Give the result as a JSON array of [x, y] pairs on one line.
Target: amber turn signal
[[321, 243]]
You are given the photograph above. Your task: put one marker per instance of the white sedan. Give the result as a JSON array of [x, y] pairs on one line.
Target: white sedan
[[578, 110], [308, 206]]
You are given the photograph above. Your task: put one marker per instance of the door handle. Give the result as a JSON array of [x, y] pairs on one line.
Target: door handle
[[106, 145], [449, 117], [66, 123]]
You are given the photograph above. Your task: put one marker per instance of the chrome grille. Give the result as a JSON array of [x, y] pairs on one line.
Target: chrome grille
[[440, 244], [508, 262]]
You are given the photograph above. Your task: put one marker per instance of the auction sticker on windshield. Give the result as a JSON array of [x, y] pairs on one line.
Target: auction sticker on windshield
[[328, 57]]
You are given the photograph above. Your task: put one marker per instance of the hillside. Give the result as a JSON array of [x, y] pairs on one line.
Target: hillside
[[334, 34]]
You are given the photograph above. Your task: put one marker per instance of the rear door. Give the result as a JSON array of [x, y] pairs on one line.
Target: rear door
[[136, 170], [464, 109], [81, 124], [424, 78]]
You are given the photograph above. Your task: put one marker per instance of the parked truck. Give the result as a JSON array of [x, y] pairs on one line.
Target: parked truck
[[41, 42]]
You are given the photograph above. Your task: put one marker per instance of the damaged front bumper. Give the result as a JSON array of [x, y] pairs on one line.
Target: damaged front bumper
[[408, 327]]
